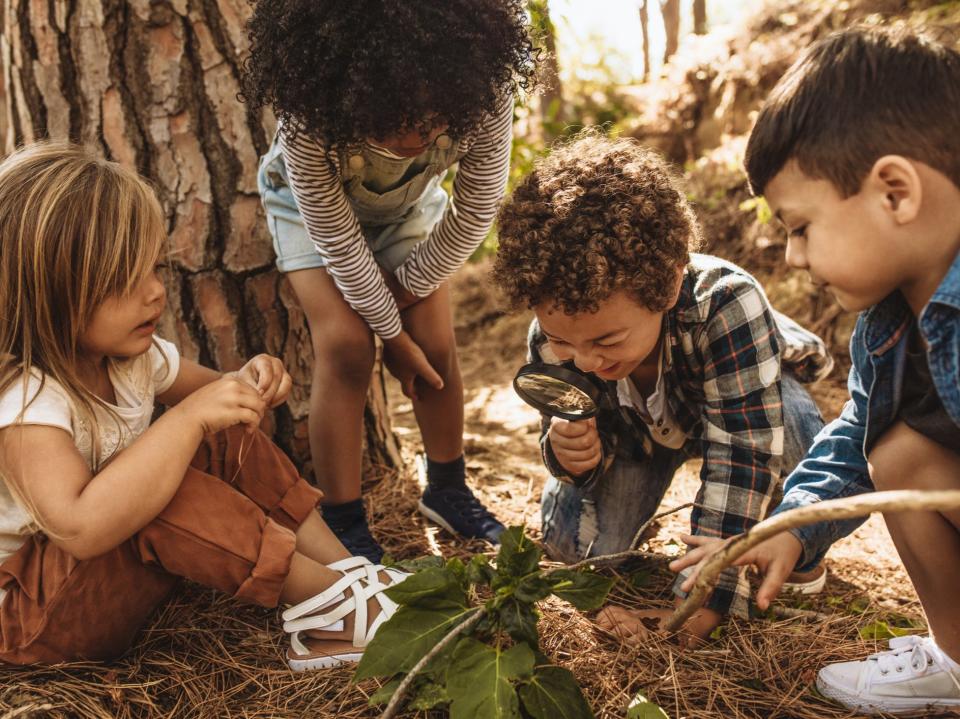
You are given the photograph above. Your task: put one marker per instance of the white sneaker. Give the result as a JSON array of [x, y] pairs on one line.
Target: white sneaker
[[912, 678]]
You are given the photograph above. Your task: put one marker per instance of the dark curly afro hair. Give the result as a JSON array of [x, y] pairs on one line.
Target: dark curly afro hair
[[345, 70], [595, 217]]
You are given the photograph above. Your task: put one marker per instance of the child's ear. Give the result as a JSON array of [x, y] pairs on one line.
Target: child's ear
[[895, 180]]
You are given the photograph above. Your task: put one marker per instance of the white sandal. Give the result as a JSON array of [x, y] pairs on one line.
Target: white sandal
[[363, 579]]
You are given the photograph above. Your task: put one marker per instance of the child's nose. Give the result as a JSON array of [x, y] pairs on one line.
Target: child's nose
[[588, 361], [796, 253], [155, 291]]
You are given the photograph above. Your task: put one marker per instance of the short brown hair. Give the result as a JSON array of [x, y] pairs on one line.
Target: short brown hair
[[854, 97], [595, 217]]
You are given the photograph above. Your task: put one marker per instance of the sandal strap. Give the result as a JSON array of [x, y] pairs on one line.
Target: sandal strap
[[349, 563], [331, 594], [364, 582]]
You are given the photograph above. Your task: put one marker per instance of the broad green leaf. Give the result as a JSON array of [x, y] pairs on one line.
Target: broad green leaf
[[456, 567], [383, 694], [518, 555], [584, 590], [479, 680], [640, 708], [519, 620], [428, 695], [434, 587], [479, 570], [553, 693], [406, 637], [882, 630], [413, 565], [533, 588]]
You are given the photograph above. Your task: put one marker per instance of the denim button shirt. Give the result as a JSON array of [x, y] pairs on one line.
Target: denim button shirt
[[836, 465]]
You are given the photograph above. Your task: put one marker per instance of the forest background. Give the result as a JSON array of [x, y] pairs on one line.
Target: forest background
[[153, 84]]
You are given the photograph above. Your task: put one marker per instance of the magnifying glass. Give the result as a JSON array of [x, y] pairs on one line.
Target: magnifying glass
[[558, 390]]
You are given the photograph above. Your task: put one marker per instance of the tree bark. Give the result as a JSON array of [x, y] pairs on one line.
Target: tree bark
[[153, 84], [700, 17], [670, 11], [645, 36]]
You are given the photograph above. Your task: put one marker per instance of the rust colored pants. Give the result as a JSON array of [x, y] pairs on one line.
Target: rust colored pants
[[227, 527]]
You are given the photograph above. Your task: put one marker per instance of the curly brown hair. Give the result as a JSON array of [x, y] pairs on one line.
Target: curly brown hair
[[595, 217], [346, 70]]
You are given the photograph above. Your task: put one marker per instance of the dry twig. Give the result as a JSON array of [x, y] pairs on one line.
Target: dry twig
[[829, 510]]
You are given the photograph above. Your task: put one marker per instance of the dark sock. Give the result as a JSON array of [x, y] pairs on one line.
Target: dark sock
[[447, 474], [340, 516]]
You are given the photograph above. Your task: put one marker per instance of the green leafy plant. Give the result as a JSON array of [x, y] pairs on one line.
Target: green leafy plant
[[493, 666]]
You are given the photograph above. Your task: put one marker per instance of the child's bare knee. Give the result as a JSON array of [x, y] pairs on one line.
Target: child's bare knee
[[348, 357]]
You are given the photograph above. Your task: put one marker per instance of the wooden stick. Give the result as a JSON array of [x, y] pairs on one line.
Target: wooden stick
[[394, 706], [631, 553], [828, 510]]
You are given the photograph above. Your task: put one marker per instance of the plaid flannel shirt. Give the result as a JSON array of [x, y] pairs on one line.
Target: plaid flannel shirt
[[722, 380]]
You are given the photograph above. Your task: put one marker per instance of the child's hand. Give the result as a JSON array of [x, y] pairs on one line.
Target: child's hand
[[635, 625], [775, 559], [268, 376], [224, 403], [406, 361], [576, 445]]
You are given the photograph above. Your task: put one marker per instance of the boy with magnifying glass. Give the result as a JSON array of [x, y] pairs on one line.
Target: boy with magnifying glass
[[686, 354]]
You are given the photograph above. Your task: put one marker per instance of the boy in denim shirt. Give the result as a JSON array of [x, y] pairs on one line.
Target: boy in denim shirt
[[596, 240], [858, 153]]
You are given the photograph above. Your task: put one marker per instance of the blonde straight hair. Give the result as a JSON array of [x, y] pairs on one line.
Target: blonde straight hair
[[75, 230]]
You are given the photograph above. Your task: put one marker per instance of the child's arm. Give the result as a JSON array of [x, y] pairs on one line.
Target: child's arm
[[477, 190], [88, 515], [743, 429], [834, 467]]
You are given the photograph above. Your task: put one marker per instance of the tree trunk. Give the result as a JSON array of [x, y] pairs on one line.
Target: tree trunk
[[645, 36], [700, 17], [670, 10], [153, 85]]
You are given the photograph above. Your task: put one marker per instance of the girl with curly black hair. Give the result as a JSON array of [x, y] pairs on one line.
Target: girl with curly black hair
[[375, 101]]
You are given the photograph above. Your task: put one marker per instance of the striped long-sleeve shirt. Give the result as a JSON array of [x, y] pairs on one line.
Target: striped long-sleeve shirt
[[332, 225]]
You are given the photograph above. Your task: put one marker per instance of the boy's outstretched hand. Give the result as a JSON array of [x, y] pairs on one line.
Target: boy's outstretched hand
[[406, 361], [269, 377], [634, 625], [775, 559]]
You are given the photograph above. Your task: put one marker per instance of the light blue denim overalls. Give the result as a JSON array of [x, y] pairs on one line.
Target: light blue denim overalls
[[397, 201]]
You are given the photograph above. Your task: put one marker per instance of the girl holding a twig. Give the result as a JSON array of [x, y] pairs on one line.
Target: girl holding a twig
[[103, 510]]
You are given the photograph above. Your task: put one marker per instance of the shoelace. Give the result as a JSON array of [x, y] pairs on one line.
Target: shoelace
[[919, 653]]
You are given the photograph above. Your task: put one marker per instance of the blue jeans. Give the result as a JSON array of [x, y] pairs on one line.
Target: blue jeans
[[578, 524]]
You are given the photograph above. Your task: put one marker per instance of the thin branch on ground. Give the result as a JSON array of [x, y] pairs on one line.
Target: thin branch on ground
[[829, 510], [631, 553], [394, 706]]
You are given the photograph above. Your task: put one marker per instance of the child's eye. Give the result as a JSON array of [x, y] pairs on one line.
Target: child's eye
[[798, 231], [161, 266], [607, 345]]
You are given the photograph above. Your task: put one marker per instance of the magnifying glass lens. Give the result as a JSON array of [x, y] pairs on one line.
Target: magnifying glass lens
[[557, 391]]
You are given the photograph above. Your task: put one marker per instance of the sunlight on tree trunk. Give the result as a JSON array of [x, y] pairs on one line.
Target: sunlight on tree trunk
[[670, 10], [153, 85], [700, 17], [645, 36]]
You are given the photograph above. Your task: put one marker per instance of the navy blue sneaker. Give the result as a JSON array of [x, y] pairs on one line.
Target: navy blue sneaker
[[357, 539], [459, 512]]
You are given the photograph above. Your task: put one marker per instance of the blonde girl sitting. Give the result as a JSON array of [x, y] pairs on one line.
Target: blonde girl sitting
[[102, 512]]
